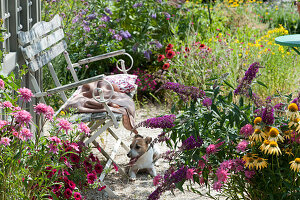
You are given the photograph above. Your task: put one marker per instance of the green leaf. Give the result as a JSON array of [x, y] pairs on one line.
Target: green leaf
[[261, 83], [227, 83]]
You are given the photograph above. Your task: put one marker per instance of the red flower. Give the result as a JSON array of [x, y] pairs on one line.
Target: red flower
[[77, 196], [88, 166], [166, 66], [169, 47], [102, 188], [68, 193], [115, 167], [91, 178], [160, 58], [170, 54], [98, 168], [74, 158], [187, 49], [56, 188], [71, 185], [202, 46]]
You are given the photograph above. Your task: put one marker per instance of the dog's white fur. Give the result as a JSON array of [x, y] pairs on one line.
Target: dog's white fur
[[147, 156]]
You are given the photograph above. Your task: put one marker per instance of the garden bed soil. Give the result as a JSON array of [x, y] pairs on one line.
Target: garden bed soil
[[143, 186]]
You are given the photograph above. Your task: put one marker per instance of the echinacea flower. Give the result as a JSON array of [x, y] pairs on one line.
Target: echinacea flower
[[294, 123], [295, 165], [260, 163], [273, 148], [64, 124], [287, 134], [292, 111], [25, 134], [250, 163], [264, 145], [7, 104], [22, 117], [41, 108], [25, 94], [257, 120], [258, 135], [241, 147], [274, 135]]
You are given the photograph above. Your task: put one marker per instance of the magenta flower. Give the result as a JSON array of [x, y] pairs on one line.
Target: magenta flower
[[217, 186], [222, 175], [74, 158], [98, 168], [241, 147], [156, 180], [247, 130], [41, 108], [55, 139], [53, 148], [77, 196], [71, 185], [2, 84], [91, 177], [64, 124], [207, 102], [189, 173], [49, 114], [5, 141], [25, 94], [25, 134], [3, 123], [22, 117], [7, 104], [84, 128], [68, 193], [211, 149]]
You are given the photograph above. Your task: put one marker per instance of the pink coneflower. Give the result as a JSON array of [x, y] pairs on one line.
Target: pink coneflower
[[25, 134], [55, 139], [156, 180], [98, 168], [7, 104], [190, 173], [84, 128], [22, 117], [64, 124], [77, 196], [53, 148], [91, 177], [5, 141], [68, 193], [25, 94], [247, 130], [222, 175], [241, 147], [211, 149], [49, 114], [41, 108], [2, 84]]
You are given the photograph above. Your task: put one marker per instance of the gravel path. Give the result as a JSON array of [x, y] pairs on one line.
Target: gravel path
[[143, 185]]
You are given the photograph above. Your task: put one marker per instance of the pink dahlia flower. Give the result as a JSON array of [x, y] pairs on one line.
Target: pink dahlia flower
[[22, 117]]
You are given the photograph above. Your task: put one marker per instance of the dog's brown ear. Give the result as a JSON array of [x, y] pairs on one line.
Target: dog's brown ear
[[137, 136], [148, 140]]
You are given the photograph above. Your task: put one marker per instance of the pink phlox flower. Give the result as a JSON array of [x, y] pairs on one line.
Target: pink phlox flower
[[157, 179], [7, 104], [84, 128], [241, 147], [2, 84], [53, 148], [5, 141], [55, 139], [249, 174], [22, 117], [64, 124], [25, 134], [74, 146], [25, 94], [49, 114], [190, 173], [217, 186], [222, 175], [41, 108]]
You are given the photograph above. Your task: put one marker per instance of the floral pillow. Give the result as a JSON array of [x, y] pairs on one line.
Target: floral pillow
[[125, 82]]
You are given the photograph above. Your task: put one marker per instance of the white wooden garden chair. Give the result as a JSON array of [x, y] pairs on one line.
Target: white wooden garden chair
[[42, 44]]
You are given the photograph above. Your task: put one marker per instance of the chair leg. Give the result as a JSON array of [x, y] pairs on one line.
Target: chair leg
[[117, 138], [98, 132]]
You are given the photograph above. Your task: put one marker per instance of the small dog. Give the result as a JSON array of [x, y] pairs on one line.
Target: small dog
[[143, 156]]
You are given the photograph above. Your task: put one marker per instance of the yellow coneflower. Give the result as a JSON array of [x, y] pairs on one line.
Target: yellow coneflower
[[258, 135], [292, 111], [260, 163], [294, 123], [264, 145], [273, 148], [250, 163], [295, 165], [288, 151], [257, 122], [274, 135], [287, 134]]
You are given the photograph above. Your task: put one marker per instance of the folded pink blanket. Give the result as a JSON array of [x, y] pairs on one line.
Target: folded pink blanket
[[121, 103]]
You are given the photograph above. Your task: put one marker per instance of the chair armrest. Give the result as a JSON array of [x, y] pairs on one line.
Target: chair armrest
[[69, 86], [99, 57]]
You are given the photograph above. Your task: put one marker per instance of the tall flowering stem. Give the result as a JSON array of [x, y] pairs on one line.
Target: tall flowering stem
[[185, 92], [166, 121]]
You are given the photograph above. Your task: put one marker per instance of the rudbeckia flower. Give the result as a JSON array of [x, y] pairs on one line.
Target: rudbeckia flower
[[274, 135], [258, 135], [295, 165], [287, 134], [264, 145], [294, 123], [260, 163], [292, 111]]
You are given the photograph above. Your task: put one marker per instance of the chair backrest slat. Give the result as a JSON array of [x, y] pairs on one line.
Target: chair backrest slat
[[31, 50], [38, 30], [47, 56]]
